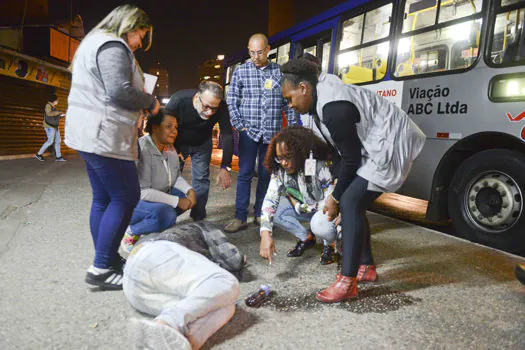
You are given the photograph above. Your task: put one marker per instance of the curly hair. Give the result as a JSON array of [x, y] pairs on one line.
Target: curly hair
[[299, 70], [299, 141]]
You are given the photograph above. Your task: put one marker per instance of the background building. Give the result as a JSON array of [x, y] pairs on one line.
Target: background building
[[35, 52], [212, 70], [162, 87]]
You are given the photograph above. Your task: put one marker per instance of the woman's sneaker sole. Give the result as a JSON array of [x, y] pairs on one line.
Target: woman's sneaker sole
[[111, 280]]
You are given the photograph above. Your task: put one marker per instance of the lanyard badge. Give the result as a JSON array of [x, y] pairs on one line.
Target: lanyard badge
[[309, 165]]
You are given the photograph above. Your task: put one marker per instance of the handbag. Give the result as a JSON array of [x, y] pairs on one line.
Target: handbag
[[51, 121]]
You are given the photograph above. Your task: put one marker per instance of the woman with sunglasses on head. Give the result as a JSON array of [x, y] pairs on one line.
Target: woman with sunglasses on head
[[299, 163], [164, 193], [377, 144], [104, 107]]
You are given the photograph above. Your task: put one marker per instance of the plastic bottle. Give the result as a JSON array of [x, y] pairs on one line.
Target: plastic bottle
[[259, 296]]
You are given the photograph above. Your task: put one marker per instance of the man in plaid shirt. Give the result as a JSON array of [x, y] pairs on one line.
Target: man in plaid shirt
[[256, 108]]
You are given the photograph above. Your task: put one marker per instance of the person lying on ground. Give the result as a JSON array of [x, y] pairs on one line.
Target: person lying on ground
[[187, 277]]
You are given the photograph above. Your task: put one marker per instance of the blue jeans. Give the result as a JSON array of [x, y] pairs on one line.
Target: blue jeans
[[200, 175], [151, 217], [248, 151], [116, 192], [287, 218], [53, 135]]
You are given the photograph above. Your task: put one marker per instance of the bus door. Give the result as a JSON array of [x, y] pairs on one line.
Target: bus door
[[317, 41], [318, 45]]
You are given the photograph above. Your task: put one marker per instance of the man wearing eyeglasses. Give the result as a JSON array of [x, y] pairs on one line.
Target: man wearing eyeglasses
[[256, 108], [197, 112]]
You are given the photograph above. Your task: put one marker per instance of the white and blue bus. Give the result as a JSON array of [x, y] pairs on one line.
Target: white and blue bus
[[457, 67]]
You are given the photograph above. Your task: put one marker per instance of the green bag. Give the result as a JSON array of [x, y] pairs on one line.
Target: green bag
[[295, 194]]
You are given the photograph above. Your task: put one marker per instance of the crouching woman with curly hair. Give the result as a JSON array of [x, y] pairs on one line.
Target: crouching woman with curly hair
[[294, 196]]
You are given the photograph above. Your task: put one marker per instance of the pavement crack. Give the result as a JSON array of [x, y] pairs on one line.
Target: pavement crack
[[8, 211]]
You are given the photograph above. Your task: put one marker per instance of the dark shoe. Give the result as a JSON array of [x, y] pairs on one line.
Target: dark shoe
[[520, 273], [344, 288], [60, 159], [257, 221], [329, 255], [111, 280], [367, 273], [301, 247], [235, 226], [39, 157]]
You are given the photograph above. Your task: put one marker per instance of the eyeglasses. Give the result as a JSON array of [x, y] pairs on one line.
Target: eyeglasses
[[279, 159], [206, 107], [256, 53]]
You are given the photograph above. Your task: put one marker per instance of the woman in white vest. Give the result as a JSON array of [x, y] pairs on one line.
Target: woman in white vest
[[377, 144], [104, 107]]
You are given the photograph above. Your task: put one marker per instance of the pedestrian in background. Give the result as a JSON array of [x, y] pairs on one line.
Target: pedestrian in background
[[256, 109], [197, 112], [51, 121], [377, 143], [104, 106]]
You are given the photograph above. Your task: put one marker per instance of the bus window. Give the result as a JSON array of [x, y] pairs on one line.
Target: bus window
[[365, 65], [272, 55], [283, 53], [229, 72], [311, 50], [508, 43], [377, 23], [450, 10], [445, 49], [352, 29], [419, 14], [509, 2], [325, 60]]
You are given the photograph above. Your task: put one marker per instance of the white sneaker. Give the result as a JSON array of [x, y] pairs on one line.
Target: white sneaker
[[127, 244], [145, 334]]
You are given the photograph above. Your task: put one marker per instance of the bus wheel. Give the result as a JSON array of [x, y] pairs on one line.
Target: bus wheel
[[485, 199]]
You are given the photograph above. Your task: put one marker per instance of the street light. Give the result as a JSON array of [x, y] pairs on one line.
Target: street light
[[220, 57]]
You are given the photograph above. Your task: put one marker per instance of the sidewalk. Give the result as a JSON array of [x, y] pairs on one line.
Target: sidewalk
[[435, 291]]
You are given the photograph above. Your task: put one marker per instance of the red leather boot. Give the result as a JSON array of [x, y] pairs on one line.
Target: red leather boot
[[344, 288], [366, 273]]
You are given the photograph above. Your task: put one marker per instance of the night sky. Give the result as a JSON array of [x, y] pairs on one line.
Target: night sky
[[187, 33]]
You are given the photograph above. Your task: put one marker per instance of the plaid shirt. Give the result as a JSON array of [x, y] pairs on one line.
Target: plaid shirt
[[256, 103]]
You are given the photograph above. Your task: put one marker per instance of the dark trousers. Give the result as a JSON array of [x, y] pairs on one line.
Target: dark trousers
[[354, 202], [248, 152], [200, 175], [116, 192]]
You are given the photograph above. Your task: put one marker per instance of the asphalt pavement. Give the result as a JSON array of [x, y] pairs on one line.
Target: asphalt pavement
[[435, 291]]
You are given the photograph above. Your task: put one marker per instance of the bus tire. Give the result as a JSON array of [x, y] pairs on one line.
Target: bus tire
[[485, 199]]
